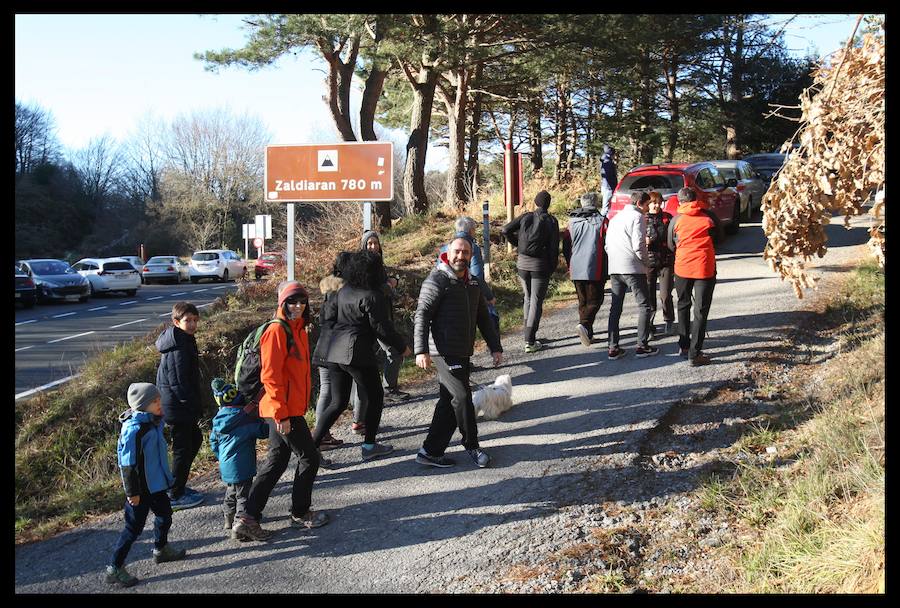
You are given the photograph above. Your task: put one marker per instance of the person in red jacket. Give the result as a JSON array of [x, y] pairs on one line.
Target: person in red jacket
[[285, 374], [692, 234]]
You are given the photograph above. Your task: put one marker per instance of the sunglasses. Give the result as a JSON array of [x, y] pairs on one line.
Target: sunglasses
[[296, 301]]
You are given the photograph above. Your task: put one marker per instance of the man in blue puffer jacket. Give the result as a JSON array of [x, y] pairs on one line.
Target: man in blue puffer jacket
[[143, 460], [235, 429]]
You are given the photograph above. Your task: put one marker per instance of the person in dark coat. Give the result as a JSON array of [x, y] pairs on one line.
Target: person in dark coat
[[609, 177], [358, 316], [662, 263], [450, 306], [534, 270], [178, 380]]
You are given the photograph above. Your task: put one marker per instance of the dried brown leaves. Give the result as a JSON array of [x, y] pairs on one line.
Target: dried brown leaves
[[838, 166]]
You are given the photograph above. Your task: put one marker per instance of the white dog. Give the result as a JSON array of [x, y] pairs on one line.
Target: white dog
[[492, 400]]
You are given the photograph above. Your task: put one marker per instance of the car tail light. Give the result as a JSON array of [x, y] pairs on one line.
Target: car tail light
[[146, 269], [169, 268], [741, 187], [28, 283]]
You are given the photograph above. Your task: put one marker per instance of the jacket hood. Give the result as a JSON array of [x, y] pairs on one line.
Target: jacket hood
[[227, 419], [330, 284], [691, 208], [166, 340], [365, 237], [445, 267], [132, 417], [584, 212]]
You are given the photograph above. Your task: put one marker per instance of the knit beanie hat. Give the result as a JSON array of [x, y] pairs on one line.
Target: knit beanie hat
[[289, 289], [140, 395], [462, 235], [542, 199], [226, 394]]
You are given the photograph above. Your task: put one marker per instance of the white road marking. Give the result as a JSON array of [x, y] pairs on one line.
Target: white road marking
[[25, 348], [70, 337], [28, 321], [124, 324], [155, 298], [207, 304], [98, 308], [127, 303], [180, 293], [65, 314], [165, 314], [46, 386], [220, 287], [199, 290]]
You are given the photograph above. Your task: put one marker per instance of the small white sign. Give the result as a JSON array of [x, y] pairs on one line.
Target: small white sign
[[328, 160], [257, 242]]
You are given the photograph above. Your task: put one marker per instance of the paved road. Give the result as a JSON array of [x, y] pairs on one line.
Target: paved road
[[53, 340], [572, 438]]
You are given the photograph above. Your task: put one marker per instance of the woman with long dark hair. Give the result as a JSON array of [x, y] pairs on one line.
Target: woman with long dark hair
[[358, 317]]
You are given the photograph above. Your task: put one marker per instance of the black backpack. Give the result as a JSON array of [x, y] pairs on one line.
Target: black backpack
[[533, 237], [249, 364]]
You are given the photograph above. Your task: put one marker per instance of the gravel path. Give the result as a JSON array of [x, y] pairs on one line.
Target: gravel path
[[575, 440]]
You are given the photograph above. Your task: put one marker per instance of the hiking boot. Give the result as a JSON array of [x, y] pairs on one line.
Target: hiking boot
[[480, 457], [249, 530], [615, 353], [645, 351], [325, 463], [534, 347], [229, 521], [359, 428], [700, 359], [394, 395], [329, 443], [423, 457], [312, 519], [119, 577], [168, 554], [583, 334], [378, 449], [186, 501]]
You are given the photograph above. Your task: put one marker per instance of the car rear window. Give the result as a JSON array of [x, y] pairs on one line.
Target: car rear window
[[161, 261], [270, 257], [658, 181], [117, 266], [205, 257]]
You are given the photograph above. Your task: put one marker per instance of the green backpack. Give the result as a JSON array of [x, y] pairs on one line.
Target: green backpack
[[249, 363]]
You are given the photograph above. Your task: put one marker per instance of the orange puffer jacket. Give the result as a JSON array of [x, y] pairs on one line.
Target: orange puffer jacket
[[690, 234], [284, 374]]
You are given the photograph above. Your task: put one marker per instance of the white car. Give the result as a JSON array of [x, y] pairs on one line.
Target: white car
[[109, 274], [218, 264], [135, 261], [165, 269], [747, 182]]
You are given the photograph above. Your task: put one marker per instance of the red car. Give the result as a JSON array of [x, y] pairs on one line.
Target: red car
[[268, 262], [667, 179]]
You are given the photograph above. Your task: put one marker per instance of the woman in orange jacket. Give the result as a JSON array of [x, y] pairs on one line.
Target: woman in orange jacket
[[285, 374]]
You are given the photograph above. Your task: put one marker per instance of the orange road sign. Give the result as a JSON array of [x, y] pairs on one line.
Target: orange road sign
[[346, 171]]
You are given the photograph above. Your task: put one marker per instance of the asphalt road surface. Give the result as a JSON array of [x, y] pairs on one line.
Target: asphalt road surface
[[573, 437], [54, 339]]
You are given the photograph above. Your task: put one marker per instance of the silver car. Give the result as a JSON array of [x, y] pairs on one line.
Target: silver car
[[165, 269], [750, 186], [56, 280]]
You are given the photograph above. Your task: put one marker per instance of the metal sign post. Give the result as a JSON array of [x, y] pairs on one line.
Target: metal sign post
[[486, 239], [367, 216], [290, 241]]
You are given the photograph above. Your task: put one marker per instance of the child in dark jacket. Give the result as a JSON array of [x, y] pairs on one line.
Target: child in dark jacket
[[662, 264], [235, 429], [144, 463], [178, 379]]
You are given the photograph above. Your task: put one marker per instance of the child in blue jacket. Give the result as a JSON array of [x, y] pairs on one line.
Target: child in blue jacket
[[235, 429], [144, 462]]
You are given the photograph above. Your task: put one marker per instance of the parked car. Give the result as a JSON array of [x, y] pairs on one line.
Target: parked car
[[668, 178], [26, 294], [56, 280], [218, 264], [109, 274], [740, 175], [136, 262], [766, 164], [165, 269], [269, 262]]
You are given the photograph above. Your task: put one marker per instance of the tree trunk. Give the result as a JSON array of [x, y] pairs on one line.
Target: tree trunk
[[370, 96], [573, 135], [340, 76], [671, 72], [732, 128], [534, 137], [414, 196], [455, 103], [562, 122], [474, 140]]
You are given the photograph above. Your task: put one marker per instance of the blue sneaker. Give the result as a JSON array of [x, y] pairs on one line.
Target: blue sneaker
[[186, 501]]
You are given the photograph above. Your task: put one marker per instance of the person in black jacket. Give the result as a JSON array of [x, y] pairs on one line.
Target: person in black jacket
[[534, 269], [178, 380], [450, 306], [357, 315], [662, 263]]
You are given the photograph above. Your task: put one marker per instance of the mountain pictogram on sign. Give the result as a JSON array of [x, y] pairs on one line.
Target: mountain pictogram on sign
[[328, 160]]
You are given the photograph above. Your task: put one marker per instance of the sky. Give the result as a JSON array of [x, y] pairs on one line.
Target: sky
[[102, 74]]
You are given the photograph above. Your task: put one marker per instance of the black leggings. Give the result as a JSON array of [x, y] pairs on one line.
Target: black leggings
[[367, 380]]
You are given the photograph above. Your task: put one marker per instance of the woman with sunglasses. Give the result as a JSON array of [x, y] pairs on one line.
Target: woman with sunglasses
[[285, 374]]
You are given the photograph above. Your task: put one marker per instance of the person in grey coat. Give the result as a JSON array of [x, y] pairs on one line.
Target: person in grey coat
[[450, 306], [583, 243], [626, 245], [609, 177]]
